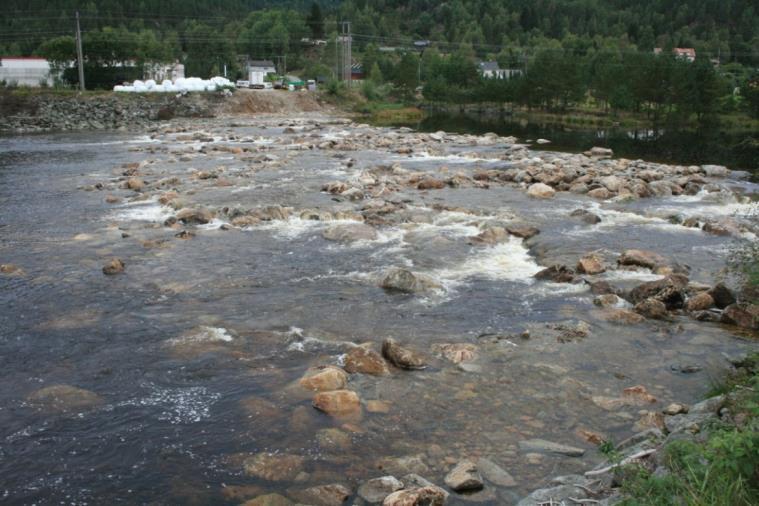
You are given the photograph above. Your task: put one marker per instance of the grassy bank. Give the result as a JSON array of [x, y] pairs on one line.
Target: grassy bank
[[717, 467]]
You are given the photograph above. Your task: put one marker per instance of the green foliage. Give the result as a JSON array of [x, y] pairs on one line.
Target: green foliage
[[335, 88]]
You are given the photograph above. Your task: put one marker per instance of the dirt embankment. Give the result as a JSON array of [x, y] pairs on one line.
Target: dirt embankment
[[24, 111]]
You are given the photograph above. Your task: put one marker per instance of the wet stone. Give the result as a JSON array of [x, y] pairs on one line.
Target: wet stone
[[114, 266], [274, 467], [543, 446], [269, 500], [403, 280], [64, 399], [375, 490], [324, 378], [401, 356], [494, 473], [464, 476], [338, 403], [424, 496], [365, 361], [323, 495]]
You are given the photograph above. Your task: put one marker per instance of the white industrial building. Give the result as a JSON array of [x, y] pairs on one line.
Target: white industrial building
[[25, 71]]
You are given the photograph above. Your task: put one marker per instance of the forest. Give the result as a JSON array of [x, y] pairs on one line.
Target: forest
[[563, 51]]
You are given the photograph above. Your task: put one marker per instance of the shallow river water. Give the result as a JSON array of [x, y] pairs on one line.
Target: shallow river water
[[195, 351]]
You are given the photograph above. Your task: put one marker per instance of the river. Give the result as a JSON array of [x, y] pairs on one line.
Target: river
[[189, 361]]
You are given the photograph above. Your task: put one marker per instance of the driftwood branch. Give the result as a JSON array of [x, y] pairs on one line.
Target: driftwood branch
[[635, 456]]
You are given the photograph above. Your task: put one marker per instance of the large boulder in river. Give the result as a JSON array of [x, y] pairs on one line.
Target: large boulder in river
[[715, 170], [591, 264], [401, 356], [489, 236], [742, 315], [406, 281], [522, 231], [641, 258], [350, 232], [670, 291], [541, 191], [464, 476], [722, 295]]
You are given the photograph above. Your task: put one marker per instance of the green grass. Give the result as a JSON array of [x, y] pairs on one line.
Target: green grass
[[721, 469]]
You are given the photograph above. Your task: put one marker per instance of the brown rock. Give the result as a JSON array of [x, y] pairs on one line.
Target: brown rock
[[200, 215], [375, 406], [641, 258], [649, 420], [490, 236], [602, 288], [541, 191], [11, 270], [590, 436], [134, 183], [464, 476], [322, 495], [430, 183], [600, 194], [722, 296], [652, 309], [456, 352], [269, 500], [402, 357], [670, 291], [591, 264], [639, 394], [622, 316], [365, 361], [699, 302], [523, 231], [112, 199], [403, 280], [742, 315], [607, 300], [675, 409], [324, 378], [338, 403], [115, 266], [557, 274], [274, 467], [423, 496]]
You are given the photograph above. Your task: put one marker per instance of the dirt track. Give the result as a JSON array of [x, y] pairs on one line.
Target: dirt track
[[272, 101]]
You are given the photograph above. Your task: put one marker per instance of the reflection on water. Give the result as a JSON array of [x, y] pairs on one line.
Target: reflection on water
[[192, 357]]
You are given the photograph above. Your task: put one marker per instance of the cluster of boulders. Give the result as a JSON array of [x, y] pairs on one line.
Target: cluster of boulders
[[55, 112], [659, 299]]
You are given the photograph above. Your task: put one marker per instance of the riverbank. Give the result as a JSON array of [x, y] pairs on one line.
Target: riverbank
[[35, 111], [301, 308]]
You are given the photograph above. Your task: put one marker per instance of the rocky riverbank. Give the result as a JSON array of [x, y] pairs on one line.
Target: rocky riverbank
[[25, 112]]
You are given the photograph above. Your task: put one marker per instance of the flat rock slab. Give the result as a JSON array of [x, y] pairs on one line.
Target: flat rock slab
[[495, 474], [543, 446]]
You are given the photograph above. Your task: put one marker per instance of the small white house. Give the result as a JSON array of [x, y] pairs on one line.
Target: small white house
[[259, 69], [491, 69], [25, 71]]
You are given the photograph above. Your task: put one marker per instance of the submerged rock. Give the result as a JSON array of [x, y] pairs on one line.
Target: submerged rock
[[324, 378], [456, 352], [402, 357], [464, 476], [423, 496], [376, 490], [406, 281], [350, 232], [274, 467], [543, 446], [269, 500], [64, 399], [338, 403], [11, 270], [322, 495]]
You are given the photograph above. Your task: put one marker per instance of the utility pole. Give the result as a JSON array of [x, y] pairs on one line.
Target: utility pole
[[79, 56], [347, 57]]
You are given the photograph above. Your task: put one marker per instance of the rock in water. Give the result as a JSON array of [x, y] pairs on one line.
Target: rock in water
[[365, 361], [322, 495], [557, 274], [722, 296], [402, 357], [464, 476], [324, 378], [115, 266], [350, 233], [338, 403], [406, 281], [591, 264], [274, 467], [423, 496], [652, 308], [541, 191], [376, 490], [430, 183], [699, 302], [269, 500], [543, 446], [495, 474], [742, 315], [641, 258], [200, 216], [64, 399]]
